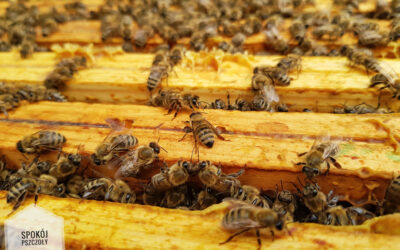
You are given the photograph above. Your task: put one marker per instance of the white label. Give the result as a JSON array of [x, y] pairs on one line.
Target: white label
[[34, 228]]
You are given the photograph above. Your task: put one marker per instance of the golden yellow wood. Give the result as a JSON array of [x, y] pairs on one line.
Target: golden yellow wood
[[265, 144], [323, 83], [106, 225]]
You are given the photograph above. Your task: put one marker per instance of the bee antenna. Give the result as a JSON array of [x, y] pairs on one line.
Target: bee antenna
[[300, 181], [282, 184]]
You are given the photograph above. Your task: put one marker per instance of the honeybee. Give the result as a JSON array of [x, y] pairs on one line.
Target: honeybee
[[240, 104], [252, 25], [119, 191], [382, 10], [230, 28], [217, 104], [373, 38], [359, 57], [47, 184], [185, 30], [112, 145], [285, 7], [4, 46], [48, 25], [316, 201], [20, 190], [226, 47], [205, 198], [175, 196], [75, 186], [393, 35], [395, 4], [197, 40], [362, 108], [245, 217], [40, 141], [27, 48], [258, 81], [132, 163], [4, 174], [275, 40], [77, 10], [238, 39], [157, 74], [290, 62], [259, 102], [317, 155], [8, 102], [343, 19], [57, 78], [392, 200], [172, 100], [151, 196], [203, 131], [74, 63], [96, 189], [298, 31], [65, 166], [285, 204], [389, 81], [333, 31], [359, 215], [249, 194], [36, 168], [212, 176], [277, 74], [337, 216], [125, 27], [170, 177], [176, 54], [141, 36]]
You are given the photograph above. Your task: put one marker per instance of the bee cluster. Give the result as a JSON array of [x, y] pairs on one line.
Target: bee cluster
[[20, 21], [64, 71], [11, 96], [183, 184], [198, 185]]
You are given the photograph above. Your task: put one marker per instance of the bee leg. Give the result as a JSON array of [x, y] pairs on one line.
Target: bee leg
[[234, 235], [328, 167], [335, 163], [177, 111], [301, 154], [19, 201], [272, 234], [258, 238], [187, 130]]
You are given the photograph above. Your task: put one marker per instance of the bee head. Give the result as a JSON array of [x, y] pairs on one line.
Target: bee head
[[20, 147], [75, 159], [185, 164], [202, 164], [155, 147], [96, 160], [279, 225], [310, 172]]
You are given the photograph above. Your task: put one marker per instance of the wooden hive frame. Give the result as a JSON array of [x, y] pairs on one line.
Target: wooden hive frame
[[270, 141]]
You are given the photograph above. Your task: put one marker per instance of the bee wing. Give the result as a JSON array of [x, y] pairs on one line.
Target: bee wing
[[270, 94], [127, 164], [388, 71], [240, 223], [217, 133], [235, 203], [331, 150]]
